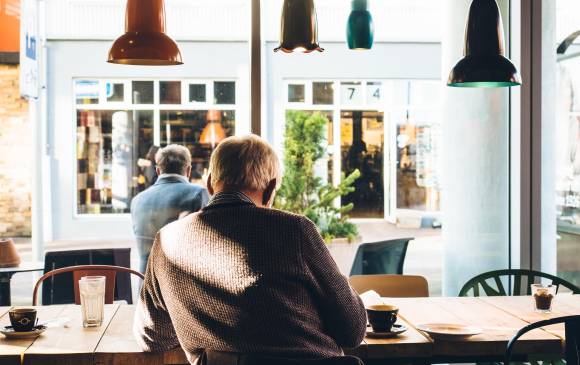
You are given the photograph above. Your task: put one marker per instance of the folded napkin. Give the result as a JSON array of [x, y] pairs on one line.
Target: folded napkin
[[371, 297]]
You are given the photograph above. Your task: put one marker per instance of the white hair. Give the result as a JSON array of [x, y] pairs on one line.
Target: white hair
[[247, 162]]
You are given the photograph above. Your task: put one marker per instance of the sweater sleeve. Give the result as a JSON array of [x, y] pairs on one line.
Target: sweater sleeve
[[342, 310], [152, 325]]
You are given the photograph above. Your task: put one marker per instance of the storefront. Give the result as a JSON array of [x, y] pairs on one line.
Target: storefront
[[105, 121]]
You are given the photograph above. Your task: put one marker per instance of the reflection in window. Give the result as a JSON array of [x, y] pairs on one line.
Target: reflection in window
[[142, 92], [170, 92], [322, 93], [224, 92], [107, 173], [362, 148], [115, 92], [86, 91], [197, 93], [200, 131], [296, 93]]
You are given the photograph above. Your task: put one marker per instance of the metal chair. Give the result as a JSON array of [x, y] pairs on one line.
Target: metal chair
[[488, 280], [394, 286], [385, 257], [110, 272], [572, 351], [59, 289]]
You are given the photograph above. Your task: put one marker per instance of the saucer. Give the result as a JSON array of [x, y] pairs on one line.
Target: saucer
[[394, 332], [11, 334], [449, 331]]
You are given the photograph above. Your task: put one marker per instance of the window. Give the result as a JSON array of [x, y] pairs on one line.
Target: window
[[386, 136], [117, 138]]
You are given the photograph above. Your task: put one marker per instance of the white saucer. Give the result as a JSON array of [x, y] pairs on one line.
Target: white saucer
[[449, 331], [11, 334]]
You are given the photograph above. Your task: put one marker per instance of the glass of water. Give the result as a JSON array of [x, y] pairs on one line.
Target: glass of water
[[92, 293]]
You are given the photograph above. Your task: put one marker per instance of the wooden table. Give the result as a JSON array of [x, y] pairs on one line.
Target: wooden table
[[499, 317]]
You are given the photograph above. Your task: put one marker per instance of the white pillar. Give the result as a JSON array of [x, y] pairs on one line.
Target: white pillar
[[475, 156]]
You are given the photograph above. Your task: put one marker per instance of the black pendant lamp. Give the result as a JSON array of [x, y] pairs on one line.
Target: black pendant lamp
[[299, 28], [484, 64], [145, 42]]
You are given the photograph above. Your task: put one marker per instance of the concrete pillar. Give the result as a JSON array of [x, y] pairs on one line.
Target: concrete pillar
[[475, 168]]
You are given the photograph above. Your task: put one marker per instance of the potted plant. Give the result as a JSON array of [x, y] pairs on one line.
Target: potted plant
[[303, 192]]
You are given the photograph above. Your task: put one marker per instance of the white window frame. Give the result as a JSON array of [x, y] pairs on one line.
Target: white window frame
[[156, 107]]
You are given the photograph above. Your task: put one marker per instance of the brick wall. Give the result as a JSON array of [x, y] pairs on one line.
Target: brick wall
[[15, 156]]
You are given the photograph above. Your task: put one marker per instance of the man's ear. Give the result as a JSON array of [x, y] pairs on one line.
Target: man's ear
[[208, 184], [188, 172], [158, 170], [269, 193]]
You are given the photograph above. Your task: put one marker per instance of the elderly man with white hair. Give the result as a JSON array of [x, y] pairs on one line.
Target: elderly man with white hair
[[239, 278]]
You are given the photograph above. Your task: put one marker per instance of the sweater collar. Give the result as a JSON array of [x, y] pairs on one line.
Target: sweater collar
[[229, 198]]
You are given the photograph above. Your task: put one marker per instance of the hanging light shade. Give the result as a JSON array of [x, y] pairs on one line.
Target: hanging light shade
[[299, 29], [145, 42], [213, 115], [360, 30], [212, 134], [484, 64]]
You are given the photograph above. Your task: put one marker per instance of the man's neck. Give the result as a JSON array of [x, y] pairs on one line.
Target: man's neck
[[255, 196]]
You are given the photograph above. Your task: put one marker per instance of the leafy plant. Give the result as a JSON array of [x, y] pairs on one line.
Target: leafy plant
[[302, 191]]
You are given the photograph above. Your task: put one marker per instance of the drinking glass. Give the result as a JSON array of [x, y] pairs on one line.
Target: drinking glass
[[543, 297], [92, 293]]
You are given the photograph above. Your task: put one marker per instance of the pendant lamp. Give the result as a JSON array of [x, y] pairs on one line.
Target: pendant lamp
[[484, 64], [213, 133], [145, 42], [299, 29], [360, 28]]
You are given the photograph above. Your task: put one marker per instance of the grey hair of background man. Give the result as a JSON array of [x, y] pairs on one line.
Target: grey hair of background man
[[173, 159], [246, 162]]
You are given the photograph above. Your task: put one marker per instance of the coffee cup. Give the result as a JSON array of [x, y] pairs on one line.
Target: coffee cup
[[22, 319], [382, 317]]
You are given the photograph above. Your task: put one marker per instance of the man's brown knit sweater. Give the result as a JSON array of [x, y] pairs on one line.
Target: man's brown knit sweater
[[235, 277]]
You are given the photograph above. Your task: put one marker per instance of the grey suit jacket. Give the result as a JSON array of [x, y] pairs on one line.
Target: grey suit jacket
[[161, 204]]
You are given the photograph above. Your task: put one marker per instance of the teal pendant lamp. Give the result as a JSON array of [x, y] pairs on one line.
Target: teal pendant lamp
[[484, 64], [360, 30]]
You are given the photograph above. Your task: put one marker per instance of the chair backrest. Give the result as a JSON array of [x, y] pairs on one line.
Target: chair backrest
[[394, 286], [572, 340], [109, 272], [385, 257], [59, 289], [519, 282]]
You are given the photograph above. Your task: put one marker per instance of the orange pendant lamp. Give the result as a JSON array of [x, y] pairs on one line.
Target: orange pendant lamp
[[213, 133], [145, 42]]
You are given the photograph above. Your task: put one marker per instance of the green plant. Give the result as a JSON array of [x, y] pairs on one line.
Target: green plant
[[302, 191]]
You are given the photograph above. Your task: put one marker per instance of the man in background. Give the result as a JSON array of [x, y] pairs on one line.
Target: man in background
[[170, 198]]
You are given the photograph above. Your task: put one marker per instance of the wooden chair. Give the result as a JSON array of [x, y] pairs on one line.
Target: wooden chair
[[492, 283], [59, 289], [386, 257], [572, 352], [110, 272], [394, 286]]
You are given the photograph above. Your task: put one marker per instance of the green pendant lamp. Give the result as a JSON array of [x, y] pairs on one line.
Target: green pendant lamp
[[360, 30], [145, 42], [299, 28], [484, 64]]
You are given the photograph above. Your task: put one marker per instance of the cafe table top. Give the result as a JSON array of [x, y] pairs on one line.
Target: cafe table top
[[499, 317]]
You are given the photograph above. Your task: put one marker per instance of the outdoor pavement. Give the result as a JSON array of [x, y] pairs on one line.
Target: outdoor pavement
[[424, 256]]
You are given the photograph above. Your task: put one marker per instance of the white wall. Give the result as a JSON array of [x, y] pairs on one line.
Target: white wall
[[72, 59]]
